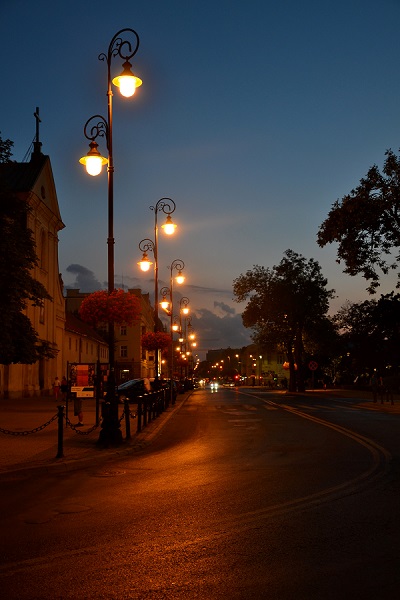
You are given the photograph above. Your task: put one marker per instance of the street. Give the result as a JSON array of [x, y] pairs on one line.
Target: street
[[243, 494]]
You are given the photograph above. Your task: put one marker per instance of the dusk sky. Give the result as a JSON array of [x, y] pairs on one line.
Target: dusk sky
[[254, 117]]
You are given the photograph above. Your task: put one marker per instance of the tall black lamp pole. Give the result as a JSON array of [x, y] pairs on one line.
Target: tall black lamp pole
[[95, 127]]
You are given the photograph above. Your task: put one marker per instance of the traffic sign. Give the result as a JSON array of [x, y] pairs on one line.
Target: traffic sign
[[83, 392], [312, 365]]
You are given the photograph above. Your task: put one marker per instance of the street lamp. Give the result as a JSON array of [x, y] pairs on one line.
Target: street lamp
[[168, 306], [100, 127], [167, 206], [183, 310]]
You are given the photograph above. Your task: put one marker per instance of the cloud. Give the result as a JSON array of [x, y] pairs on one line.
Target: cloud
[[225, 308], [218, 328], [87, 282], [85, 279], [213, 331]]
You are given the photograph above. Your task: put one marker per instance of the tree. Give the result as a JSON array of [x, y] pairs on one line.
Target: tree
[[283, 304], [116, 307], [366, 224], [156, 341], [19, 342], [371, 333], [5, 150]]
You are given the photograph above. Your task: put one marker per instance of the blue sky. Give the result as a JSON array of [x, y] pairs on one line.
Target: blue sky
[[253, 116]]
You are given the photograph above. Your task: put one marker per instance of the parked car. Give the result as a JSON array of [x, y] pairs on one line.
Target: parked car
[[167, 383], [132, 389]]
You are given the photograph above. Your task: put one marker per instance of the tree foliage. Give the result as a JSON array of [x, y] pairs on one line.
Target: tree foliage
[[371, 333], [117, 307], [366, 224], [5, 150], [285, 304], [156, 341], [19, 342]]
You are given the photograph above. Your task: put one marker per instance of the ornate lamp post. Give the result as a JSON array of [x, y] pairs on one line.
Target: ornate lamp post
[[167, 206], [100, 127], [183, 310], [168, 306]]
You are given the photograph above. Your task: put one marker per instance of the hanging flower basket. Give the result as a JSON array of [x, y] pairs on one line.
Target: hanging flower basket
[[119, 307], [156, 341]]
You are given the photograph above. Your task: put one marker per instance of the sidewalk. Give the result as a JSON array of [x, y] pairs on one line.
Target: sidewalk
[[23, 451], [359, 398]]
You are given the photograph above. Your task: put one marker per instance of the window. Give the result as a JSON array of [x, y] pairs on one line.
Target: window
[[123, 330], [41, 314], [124, 352], [43, 250]]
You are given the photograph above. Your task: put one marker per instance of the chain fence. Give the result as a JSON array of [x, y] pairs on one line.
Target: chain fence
[[35, 430], [148, 409]]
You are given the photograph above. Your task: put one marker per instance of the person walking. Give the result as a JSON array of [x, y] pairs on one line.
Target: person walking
[[374, 384], [78, 411], [56, 387], [64, 389]]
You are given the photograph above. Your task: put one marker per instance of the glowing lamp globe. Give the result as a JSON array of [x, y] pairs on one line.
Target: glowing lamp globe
[[164, 304], [127, 82], [93, 160], [145, 263], [180, 278], [169, 227]]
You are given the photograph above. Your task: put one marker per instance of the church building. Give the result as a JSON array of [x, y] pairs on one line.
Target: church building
[[33, 182]]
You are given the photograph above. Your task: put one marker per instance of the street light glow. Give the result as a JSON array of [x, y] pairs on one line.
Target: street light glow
[[127, 82], [145, 263], [93, 160], [169, 226]]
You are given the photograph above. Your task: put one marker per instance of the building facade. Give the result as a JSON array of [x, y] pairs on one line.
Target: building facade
[[250, 364], [57, 321], [34, 183], [131, 360]]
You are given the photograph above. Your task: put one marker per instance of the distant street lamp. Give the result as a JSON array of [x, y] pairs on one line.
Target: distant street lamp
[[168, 306], [167, 206], [95, 127], [183, 310]]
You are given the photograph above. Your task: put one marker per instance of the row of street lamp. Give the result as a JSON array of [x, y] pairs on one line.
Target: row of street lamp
[[125, 45]]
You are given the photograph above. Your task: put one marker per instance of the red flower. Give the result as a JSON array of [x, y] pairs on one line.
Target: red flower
[[156, 341], [102, 307]]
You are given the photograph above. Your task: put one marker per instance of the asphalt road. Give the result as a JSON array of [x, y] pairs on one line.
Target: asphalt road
[[243, 494]]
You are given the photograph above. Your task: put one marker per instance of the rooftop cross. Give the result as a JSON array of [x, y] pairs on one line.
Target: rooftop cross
[[37, 145]]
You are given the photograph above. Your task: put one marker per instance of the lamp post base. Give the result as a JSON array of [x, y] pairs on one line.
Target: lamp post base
[[110, 432]]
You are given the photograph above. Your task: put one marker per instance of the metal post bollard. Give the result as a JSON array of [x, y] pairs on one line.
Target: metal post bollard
[[144, 412], [60, 449], [127, 419], [139, 415]]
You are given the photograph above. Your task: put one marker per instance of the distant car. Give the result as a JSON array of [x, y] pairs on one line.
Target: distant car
[[132, 389], [228, 384], [214, 385]]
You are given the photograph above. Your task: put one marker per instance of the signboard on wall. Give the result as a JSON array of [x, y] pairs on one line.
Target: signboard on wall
[[82, 379]]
